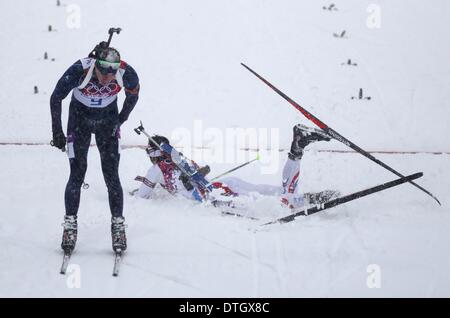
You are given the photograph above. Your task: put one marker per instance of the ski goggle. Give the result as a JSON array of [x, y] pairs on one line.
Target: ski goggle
[[106, 67]]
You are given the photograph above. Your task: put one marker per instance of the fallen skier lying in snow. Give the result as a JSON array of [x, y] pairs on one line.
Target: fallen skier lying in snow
[[165, 173]]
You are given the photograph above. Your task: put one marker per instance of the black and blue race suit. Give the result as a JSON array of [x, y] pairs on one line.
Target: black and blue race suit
[[93, 110]]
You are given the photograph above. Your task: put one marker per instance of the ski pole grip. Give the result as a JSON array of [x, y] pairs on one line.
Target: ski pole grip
[[139, 129]]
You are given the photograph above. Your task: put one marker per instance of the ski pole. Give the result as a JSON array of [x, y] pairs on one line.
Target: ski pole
[[235, 168], [141, 129]]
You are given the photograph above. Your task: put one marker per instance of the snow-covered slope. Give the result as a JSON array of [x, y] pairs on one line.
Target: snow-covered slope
[[187, 54], [178, 250]]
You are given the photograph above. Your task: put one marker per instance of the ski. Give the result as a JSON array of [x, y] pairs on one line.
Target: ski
[[334, 134], [117, 261], [65, 262], [344, 199], [238, 215], [231, 208], [181, 162]]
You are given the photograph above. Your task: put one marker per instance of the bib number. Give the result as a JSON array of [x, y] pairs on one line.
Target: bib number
[[96, 101]]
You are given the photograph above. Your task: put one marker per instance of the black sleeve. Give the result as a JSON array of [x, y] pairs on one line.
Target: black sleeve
[[131, 84], [66, 83]]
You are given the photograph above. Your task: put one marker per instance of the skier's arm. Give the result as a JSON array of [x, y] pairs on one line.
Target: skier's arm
[[131, 84], [66, 83], [145, 191], [153, 177]]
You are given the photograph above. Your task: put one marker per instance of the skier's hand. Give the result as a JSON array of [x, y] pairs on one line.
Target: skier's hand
[[204, 170], [59, 140]]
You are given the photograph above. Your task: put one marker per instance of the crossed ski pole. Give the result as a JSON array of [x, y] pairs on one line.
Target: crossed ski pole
[[334, 134]]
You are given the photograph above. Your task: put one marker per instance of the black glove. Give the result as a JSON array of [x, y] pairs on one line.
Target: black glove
[[59, 140], [204, 170]]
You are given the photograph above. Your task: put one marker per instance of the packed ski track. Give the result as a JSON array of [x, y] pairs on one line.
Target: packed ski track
[[188, 54]]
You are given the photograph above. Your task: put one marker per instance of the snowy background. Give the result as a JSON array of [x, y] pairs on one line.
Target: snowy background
[[188, 55]]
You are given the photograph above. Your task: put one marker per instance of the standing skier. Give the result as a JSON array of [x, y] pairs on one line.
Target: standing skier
[[164, 172], [96, 82]]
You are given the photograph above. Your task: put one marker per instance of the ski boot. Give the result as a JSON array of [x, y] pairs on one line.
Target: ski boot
[[69, 238], [293, 201], [303, 136], [119, 239]]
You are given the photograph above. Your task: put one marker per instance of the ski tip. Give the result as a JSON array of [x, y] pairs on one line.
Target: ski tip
[[437, 200], [411, 177], [258, 157], [417, 176]]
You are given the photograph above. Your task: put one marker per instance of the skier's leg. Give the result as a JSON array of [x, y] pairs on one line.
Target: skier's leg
[[291, 170], [109, 148], [291, 176], [244, 188], [78, 141]]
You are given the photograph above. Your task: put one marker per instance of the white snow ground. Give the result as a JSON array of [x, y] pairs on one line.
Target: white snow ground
[[187, 54]]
